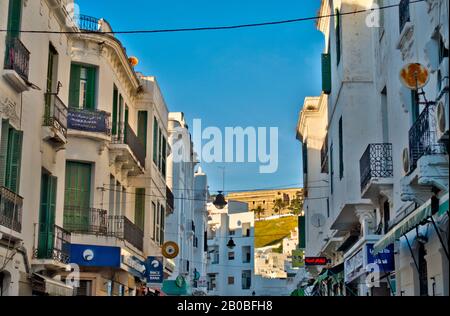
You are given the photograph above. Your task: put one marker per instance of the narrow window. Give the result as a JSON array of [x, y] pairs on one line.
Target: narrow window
[[341, 150]]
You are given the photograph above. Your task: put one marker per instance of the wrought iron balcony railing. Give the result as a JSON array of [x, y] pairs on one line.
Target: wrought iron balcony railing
[[17, 57], [376, 162], [85, 220], [128, 136], [403, 11], [89, 120], [324, 156], [11, 206], [52, 243], [423, 137], [121, 227], [88, 23], [55, 114]]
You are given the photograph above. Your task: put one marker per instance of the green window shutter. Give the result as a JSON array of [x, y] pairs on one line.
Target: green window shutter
[[163, 156], [155, 140], [77, 195], [154, 221], [341, 150], [13, 161], [326, 73], [47, 216], [14, 17], [125, 122], [120, 114], [331, 169], [139, 208], [161, 227], [74, 86], [160, 149], [302, 232], [142, 128], [114, 112], [338, 37], [90, 88], [4, 151]]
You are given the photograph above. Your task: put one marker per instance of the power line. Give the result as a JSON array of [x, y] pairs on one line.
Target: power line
[[214, 28]]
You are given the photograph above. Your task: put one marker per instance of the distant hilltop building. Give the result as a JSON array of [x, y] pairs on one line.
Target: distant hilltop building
[[265, 203]]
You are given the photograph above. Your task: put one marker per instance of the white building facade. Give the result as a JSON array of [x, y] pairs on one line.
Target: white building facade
[[390, 219], [230, 270]]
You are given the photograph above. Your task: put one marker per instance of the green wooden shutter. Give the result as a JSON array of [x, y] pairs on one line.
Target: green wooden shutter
[[77, 194], [47, 217], [161, 227], [13, 161], [114, 112], [331, 169], [139, 208], [142, 128], [125, 122], [163, 156], [14, 18], [155, 141], [4, 151], [74, 86], [326, 73], [341, 150], [90, 88], [120, 115], [302, 232], [338, 37], [50, 62]]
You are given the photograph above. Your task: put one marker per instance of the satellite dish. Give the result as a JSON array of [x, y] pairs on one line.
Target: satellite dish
[[317, 220], [414, 76]]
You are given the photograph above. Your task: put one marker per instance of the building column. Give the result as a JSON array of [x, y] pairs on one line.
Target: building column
[[367, 218]]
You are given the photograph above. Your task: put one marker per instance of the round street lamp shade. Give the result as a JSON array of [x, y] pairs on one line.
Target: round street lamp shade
[[219, 201], [231, 243]]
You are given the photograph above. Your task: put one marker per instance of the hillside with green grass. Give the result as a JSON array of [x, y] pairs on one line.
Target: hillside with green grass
[[273, 231]]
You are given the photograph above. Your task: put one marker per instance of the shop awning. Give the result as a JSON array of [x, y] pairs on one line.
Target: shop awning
[[170, 287], [409, 222], [51, 286]]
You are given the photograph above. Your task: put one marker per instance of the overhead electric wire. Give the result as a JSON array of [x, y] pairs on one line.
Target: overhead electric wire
[[214, 28]]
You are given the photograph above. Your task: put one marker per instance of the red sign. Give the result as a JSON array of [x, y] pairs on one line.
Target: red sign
[[316, 261]]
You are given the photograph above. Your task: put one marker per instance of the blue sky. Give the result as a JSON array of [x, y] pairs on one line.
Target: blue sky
[[246, 77]]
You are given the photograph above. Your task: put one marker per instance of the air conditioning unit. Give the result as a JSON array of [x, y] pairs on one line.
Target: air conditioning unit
[[405, 160]]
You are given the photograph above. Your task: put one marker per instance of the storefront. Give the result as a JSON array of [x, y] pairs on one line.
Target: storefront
[[367, 274], [107, 271], [422, 255]]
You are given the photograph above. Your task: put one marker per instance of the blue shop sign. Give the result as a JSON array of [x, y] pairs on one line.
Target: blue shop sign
[[95, 256], [154, 270], [134, 265], [384, 259]]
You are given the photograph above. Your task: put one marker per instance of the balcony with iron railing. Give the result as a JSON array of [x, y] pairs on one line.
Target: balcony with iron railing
[[127, 136], [376, 167], [91, 121], [423, 137], [11, 205], [90, 24], [121, 227], [52, 244], [85, 220], [17, 57], [55, 118]]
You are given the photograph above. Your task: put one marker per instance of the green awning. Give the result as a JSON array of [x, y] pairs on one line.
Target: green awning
[[337, 278], [170, 287], [411, 221], [443, 205], [322, 277], [298, 292]]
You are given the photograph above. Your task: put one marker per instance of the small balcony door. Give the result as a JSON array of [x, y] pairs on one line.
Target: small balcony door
[[47, 216], [77, 197]]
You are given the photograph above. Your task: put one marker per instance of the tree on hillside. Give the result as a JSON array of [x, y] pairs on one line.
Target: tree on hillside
[[278, 205], [258, 211], [296, 206]]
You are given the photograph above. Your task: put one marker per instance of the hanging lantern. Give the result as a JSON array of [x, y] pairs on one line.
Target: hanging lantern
[[231, 243], [219, 201]]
